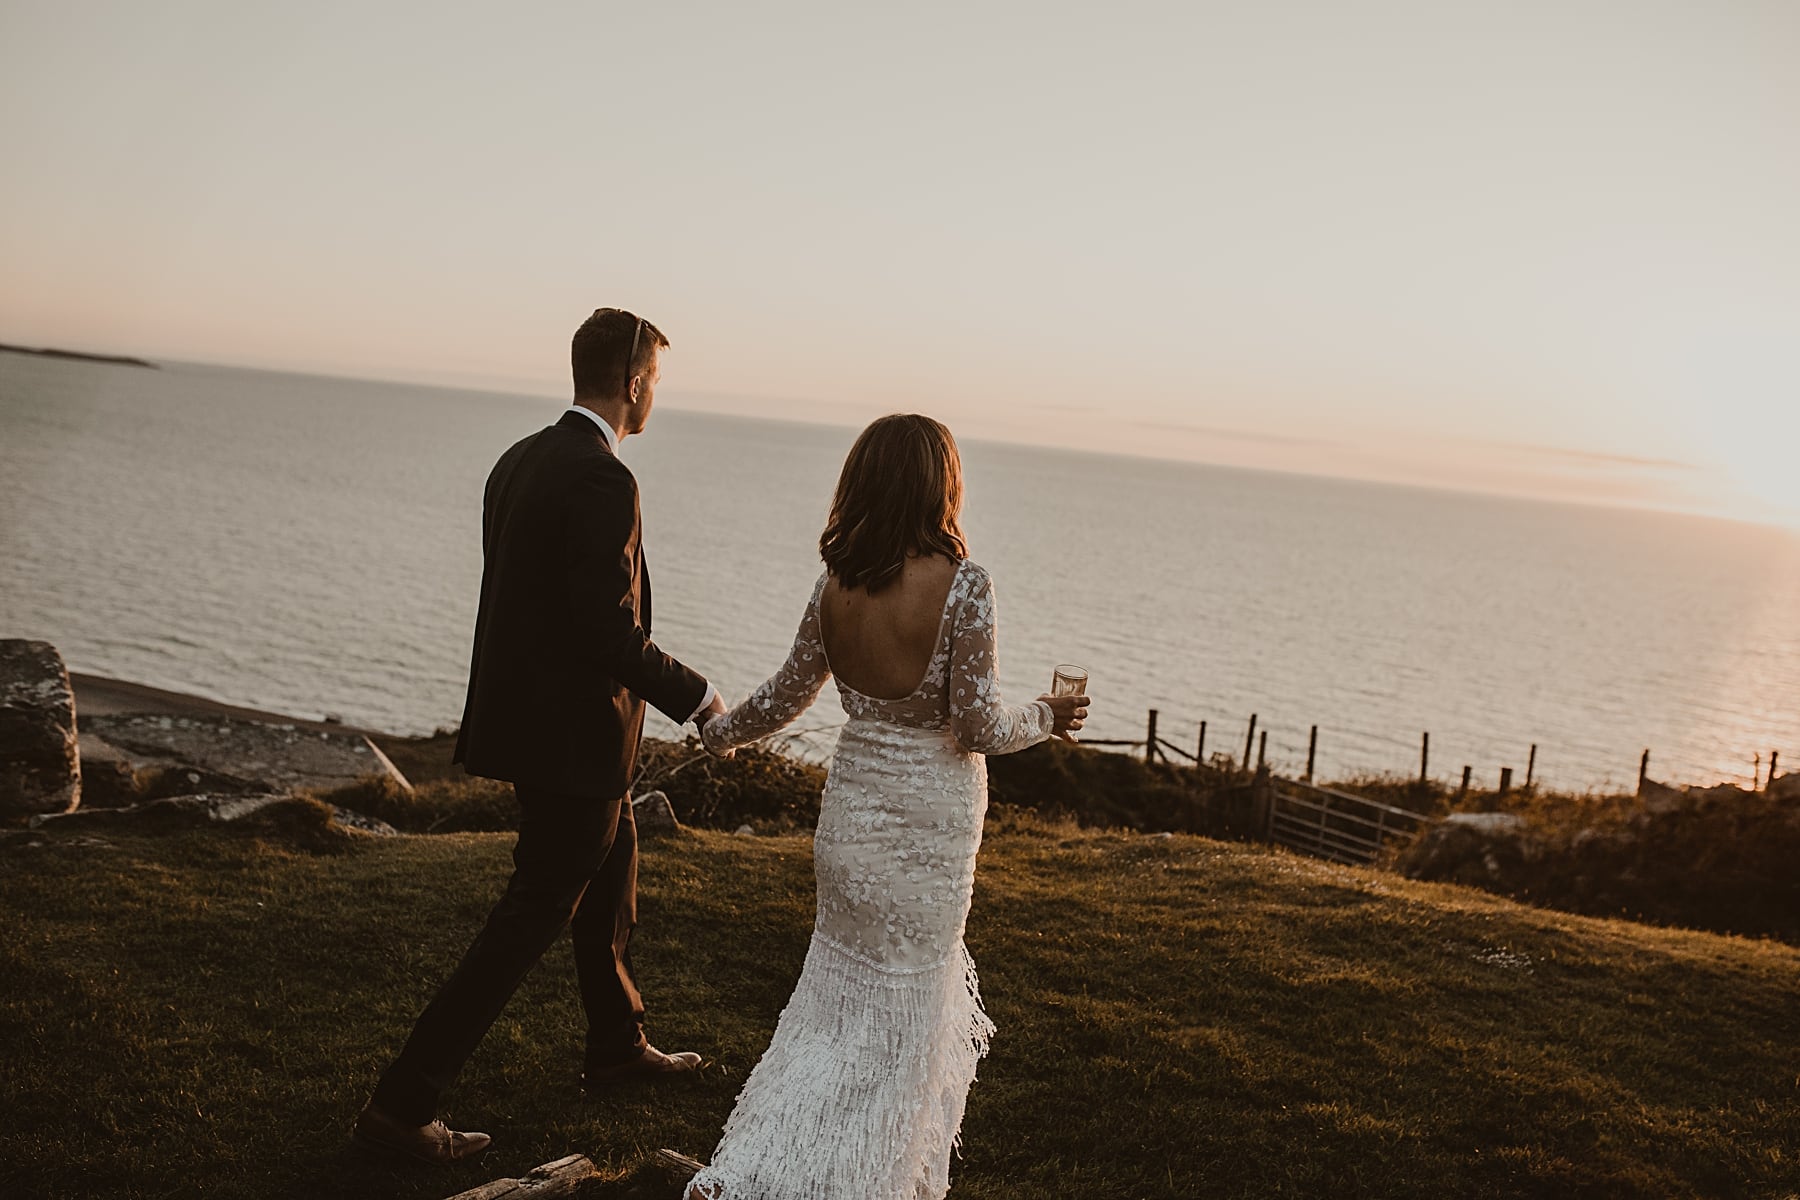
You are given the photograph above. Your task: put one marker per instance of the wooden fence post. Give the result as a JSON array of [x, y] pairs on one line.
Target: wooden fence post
[[1262, 750], [1505, 780], [1774, 757], [1531, 766], [1425, 758], [1262, 805], [1643, 771], [1200, 747], [1312, 750], [1249, 741], [1150, 739], [1468, 771]]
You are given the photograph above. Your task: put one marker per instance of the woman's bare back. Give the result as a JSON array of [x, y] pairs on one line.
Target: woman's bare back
[[881, 646]]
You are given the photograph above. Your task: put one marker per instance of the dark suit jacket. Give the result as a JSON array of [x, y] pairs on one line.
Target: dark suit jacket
[[563, 661]]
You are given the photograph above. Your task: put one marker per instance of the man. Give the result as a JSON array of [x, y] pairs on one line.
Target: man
[[562, 668]]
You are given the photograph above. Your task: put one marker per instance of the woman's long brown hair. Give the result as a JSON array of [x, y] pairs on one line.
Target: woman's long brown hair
[[900, 495]]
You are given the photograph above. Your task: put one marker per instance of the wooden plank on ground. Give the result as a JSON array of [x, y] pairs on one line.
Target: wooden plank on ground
[[677, 1166], [553, 1179]]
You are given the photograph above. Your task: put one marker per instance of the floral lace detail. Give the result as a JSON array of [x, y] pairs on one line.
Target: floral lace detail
[[862, 1089], [960, 691], [894, 854]]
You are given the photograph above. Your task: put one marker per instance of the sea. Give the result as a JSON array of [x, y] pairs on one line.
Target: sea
[[311, 545]]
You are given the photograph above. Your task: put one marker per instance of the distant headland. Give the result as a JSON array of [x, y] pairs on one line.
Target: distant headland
[[121, 359]]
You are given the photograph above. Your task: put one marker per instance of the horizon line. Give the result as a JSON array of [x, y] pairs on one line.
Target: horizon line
[[521, 389]]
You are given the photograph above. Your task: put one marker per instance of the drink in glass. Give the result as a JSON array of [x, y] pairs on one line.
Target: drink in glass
[[1069, 680]]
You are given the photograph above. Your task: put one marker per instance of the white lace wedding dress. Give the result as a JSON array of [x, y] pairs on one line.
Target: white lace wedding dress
[[860, 1095]]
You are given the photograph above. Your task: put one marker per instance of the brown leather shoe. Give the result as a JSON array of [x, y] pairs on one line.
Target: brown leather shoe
[[431, 1143], [652, 1064]]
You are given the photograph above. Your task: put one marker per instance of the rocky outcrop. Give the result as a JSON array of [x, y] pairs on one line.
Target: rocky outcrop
[[108, 778], [1468, 847], [201, 809], [654, 814], [228, 754], [115, 778], [40, 765]]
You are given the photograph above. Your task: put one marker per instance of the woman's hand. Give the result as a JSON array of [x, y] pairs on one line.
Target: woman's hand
[[711, 745], [1068, 714]]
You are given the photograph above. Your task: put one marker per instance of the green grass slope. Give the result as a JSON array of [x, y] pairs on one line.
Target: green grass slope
[[190, 1013]]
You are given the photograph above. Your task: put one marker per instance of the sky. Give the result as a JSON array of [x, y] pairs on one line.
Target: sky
[[1538, 248]]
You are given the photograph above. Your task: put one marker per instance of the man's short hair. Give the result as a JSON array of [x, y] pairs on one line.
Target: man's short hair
[[598, 352]]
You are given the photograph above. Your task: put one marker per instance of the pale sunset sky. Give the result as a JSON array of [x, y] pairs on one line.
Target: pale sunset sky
[[1538, 248]]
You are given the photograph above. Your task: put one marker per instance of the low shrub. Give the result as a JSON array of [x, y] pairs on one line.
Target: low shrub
[[763, 788], [445, 805], [758, 786], [1105, 790]]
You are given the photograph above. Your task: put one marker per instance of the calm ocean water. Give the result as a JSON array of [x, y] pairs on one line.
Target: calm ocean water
[[306, 544]]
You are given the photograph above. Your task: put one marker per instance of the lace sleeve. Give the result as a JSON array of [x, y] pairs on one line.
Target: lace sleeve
[[981, 721], [783, 696]]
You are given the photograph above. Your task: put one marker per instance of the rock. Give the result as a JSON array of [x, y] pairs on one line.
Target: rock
[[1490, 823], [40, 764], [232, 754], [108, 776], [356, 820], [186, 809], [744, 831], [115, 778], [199, 810], [654, 814], [1467, 847]]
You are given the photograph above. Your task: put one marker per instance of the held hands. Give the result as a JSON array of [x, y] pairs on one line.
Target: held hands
[[707, 714], [1069, 713]]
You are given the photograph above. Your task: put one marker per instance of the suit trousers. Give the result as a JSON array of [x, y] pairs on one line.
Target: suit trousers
[[575, 864]]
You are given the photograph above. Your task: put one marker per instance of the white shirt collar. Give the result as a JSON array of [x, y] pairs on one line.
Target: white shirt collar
[[606, 430]]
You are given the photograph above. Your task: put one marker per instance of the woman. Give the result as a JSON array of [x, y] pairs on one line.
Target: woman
[[861, 1091]]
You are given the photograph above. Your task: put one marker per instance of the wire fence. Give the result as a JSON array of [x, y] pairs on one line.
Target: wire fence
[[1242, 746], [1220, 749]]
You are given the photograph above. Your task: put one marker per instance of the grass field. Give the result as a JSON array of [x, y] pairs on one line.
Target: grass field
[[202, 1012]]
